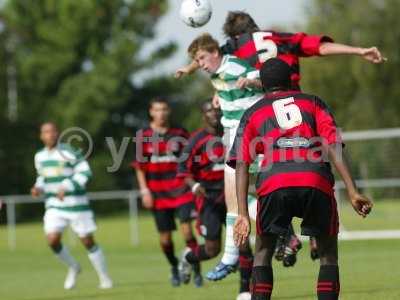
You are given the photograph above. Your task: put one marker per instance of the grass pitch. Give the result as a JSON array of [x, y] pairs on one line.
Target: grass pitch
[[369, 269]]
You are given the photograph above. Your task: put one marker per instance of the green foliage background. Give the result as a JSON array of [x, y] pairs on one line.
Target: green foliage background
[[77, 63]]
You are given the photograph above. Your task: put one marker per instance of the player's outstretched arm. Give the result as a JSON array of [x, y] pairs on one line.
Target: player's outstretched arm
[[361, 204], [242, 223], [186, 70], [371, 54]]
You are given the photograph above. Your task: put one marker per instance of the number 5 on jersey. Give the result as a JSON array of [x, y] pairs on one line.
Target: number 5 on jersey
[[287, 113]]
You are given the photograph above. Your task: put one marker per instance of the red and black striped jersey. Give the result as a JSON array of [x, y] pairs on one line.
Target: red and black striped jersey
[[258, 47], [291, 130], [204, 160], [157, 155]]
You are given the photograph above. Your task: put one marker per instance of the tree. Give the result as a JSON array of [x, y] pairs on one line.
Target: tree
[[362, 95], [75, 62]]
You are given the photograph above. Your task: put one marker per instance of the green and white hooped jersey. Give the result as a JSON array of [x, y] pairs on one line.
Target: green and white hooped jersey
[[62, 167], [234, 102]]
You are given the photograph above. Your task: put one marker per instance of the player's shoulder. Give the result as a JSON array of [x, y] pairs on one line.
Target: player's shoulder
[[311, 97], [256, 108], [69, 152], [147, 130], [178, 130], [40, 154], [198, 135]]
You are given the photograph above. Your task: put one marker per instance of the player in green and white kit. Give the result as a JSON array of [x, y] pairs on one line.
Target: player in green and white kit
[[62, 178], [237, 88]]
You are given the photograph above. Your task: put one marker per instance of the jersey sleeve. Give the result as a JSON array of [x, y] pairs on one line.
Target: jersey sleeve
[[139, 161], [186, 161], [81, 173], [326, 125], [243, 149], [308, 45], [39, 183]]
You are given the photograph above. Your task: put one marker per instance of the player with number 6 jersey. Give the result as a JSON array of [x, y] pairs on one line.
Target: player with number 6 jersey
[[299, 138]]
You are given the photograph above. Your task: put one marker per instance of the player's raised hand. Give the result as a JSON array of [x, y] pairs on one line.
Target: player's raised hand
[[36, 192], [181, 72], [215, 101], [361, 204], [243, 82], [186, 70], [61, 194], [241, 230], [373, 55]]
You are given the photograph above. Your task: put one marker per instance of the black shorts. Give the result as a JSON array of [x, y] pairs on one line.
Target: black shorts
[[212, 215], [317, 209], [165, 218]]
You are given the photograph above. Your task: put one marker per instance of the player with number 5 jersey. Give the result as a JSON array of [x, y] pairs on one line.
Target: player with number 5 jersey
[[248, 42]]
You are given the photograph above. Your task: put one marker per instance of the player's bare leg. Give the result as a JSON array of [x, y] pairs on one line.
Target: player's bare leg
[[62, 253], [96, 257], [328, 287], [262, 275]]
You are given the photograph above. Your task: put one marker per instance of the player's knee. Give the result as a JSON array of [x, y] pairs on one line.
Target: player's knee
[[55, 246], [327, 250], [328, 260], [213, 249], [88, 242]]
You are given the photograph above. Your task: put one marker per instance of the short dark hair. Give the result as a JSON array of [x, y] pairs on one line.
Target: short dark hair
[[52, 123], [158, 99], [239, 22], [275, 74]]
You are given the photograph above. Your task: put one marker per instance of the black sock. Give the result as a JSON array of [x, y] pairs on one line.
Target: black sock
[[197, 255], [328, 287], [170, 255], [262, 283], [290, 230], [57, 248], [245, 267]]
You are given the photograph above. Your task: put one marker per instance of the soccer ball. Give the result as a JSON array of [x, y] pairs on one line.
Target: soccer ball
[[195, 13]]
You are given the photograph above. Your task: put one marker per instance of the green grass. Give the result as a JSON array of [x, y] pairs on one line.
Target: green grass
[[369, 269], [384, 216]]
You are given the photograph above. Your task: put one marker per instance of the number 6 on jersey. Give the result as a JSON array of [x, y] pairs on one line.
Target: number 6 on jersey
[[287, 113]]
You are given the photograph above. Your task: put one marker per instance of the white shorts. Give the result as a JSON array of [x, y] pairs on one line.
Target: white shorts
[[229, 137], [56, 220]]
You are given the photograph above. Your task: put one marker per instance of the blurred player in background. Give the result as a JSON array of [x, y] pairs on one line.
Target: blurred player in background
[[237, 87], [301, 185], [62, 178], [248, 42], [157, 150], [203, 171]]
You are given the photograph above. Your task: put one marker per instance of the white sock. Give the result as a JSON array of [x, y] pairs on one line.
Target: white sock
[[252, 203], [231, 253], [66, 257], [98, 261]]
